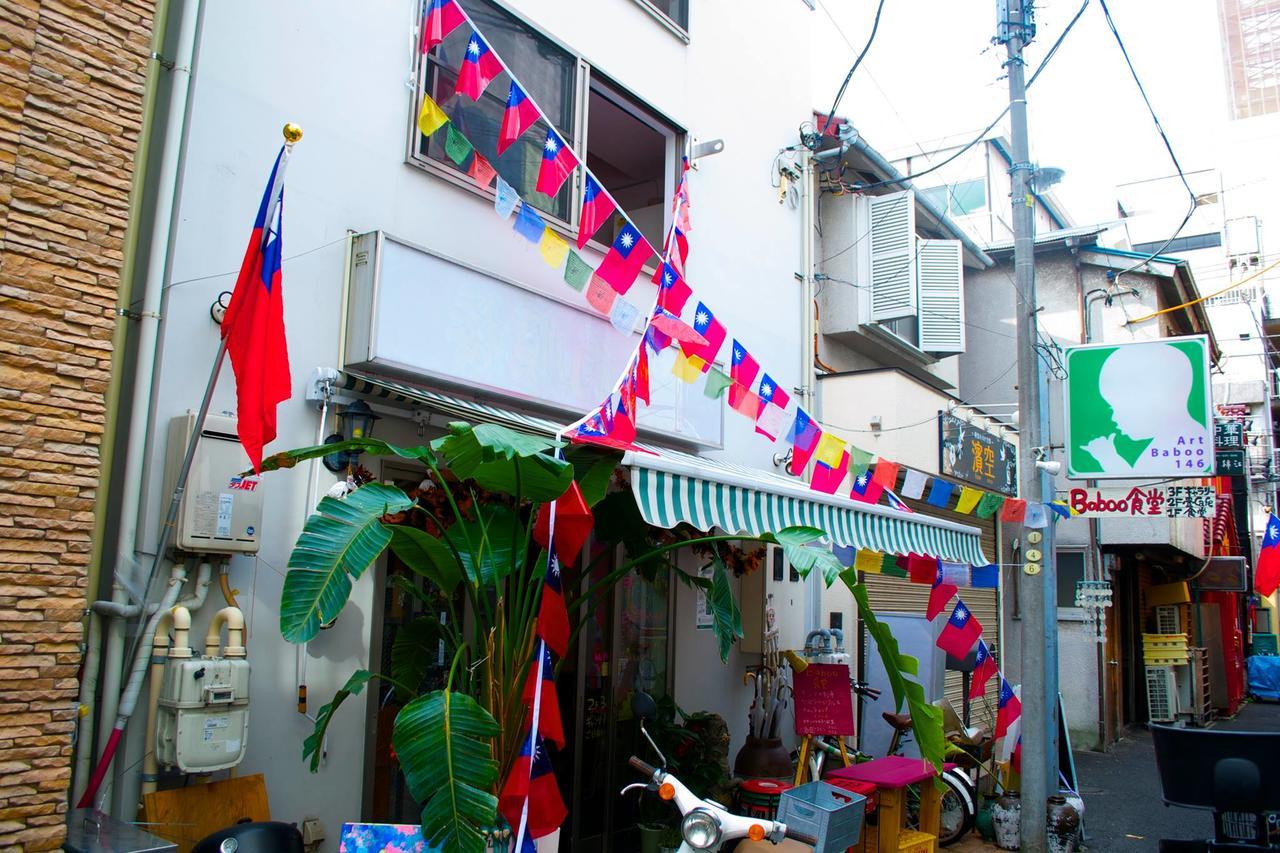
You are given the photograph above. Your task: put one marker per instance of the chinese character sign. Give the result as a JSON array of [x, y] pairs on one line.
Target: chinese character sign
[[1139, 409], [1160, 501], [976, 456]]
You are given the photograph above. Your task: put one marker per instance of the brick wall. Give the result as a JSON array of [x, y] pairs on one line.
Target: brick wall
[[71, 82]]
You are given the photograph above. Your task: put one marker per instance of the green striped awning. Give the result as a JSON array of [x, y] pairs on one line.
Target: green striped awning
[[675, 487]]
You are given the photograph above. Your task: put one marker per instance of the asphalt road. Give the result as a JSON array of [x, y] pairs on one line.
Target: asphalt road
[[1121, 789]]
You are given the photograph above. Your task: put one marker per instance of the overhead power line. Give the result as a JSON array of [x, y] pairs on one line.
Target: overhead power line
[[875, 26]]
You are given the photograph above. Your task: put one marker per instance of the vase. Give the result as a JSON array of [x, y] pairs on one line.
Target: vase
[[984, 822], [1063, 824], [1006, 816], [763, 758]]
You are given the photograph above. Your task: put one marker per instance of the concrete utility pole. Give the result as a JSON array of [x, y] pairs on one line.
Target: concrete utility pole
[[1039, 636]]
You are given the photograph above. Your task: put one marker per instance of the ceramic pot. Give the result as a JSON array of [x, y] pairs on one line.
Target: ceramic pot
[[763, 758], [1006, 815], [1063, 824], [984, 822]]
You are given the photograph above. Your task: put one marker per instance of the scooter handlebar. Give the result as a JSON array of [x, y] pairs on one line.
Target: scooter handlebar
[[643, 766]]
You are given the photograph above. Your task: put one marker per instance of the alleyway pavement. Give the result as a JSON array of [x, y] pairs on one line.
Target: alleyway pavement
[[1121, 789]]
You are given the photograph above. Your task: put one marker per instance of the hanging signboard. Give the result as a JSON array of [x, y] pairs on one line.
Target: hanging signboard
[[976, 456], [1158, 501], [1140, 409], [1230, 463], [1228, 432]]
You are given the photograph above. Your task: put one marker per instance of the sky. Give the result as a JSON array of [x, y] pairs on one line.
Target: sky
[[1085, 112]]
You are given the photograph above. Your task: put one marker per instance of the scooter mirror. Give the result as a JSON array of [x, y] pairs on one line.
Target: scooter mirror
[[643, 706]]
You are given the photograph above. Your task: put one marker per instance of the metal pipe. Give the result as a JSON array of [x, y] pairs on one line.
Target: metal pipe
[[88, 691], [159, 653]]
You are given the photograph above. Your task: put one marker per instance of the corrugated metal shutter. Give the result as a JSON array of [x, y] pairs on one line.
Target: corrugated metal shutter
[[900, 595]]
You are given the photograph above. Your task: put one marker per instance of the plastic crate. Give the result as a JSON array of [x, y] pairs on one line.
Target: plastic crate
[[1162, 694], [829, 814], [1264, 644], [913, 841], [1168, 619], [1165, 658]]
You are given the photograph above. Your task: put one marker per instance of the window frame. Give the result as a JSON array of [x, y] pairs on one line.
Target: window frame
[[1069, 612], [677, 29], [586, 78]]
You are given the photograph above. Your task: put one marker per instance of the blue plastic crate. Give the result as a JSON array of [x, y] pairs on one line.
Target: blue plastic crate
[[831, 815]]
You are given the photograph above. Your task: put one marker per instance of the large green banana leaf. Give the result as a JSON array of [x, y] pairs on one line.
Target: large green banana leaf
[[503, 460], [497, 536], [726, 617], [340, 540], [426, 555], [313, 746]]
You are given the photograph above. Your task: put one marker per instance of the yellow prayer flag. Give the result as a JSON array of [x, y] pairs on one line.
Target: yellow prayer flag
[[553, 249], [829, 450], [687, 369], [431, 118], [868, 561], [968, 500]]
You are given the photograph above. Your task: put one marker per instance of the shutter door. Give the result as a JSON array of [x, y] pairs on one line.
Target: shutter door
[[893, 255], [890, 594], [940, 269]]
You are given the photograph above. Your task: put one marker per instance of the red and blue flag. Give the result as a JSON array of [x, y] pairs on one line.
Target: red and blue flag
[[553, 616], [961, 632], [743, 369], [597, 207], [624, 259], [532, 778], [1008, 710], [827, 478], [984, 666], [865, 488], [1266, 577], [549, 722], [673, 290], [940, 594], [803, 438], [479, 66], [895, 502], [442, 18], [520, 115], [705, 324], [253, 328], [558, 163]]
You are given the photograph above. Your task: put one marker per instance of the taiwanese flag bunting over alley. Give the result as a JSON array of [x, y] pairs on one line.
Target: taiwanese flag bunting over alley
[[773, 402], [940, 594], [743, 369], [549, 724], [442, 18], [673, 290], [253, 329], [553, 617], [865, 488], [984, 666], [705, 324], [558, 163], [479, 66], [573, 521], [827, 478], [520, 115], [961, 632], [1266, 576], [597, 206], [1008, 721], [624, 259], [803, 438], [531, 778]]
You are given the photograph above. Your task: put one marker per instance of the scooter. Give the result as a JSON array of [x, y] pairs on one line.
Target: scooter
[[706, 824]]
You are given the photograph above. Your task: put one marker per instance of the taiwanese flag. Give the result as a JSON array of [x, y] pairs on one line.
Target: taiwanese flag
[[895, 502], [549, 724], [770, 395], [531, 778], [624, 259], [678, 253], [673, 290], [479, 66], [742, 370], [553, 617], [803, 438], [521, 114], [253, 329], [940, 594], [827, 479], [1266, 576], [961, 632], [443, 17], [558, 163], [866, 489], [1008, 711], [705, 324], [640, 375], [984, 666], [573, 524], [596, 209]]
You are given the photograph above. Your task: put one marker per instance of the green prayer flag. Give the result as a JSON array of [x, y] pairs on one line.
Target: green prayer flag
[[717, 382], [457, 146], [577, 272], [859, 459], [989, 504], [889, 566]]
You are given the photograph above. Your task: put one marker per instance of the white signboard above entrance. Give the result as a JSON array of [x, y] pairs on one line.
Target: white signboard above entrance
[[1139, 409], [1160, 501]]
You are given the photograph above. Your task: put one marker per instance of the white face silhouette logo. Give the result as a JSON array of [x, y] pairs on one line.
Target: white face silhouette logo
[[1147, 408]]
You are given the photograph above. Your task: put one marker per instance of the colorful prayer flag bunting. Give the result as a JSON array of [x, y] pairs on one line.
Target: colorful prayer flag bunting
[[940, 493], [623, 316], [519, 116], [803, 438], [886, 473], [968, 500], [989, 504], [596, 208], [529, 224], [913, 483], [600, 295], [481, 170], [479, 66], [505, 199], [577, 272], [1013, 511], [868, 561], [558, 163], [624, 259], [829, 449], [553, 249], [457, 146], [430, 118], [717, 382], [686, 369]]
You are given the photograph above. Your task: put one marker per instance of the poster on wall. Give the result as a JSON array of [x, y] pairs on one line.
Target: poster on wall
[[1140, 409], [1156, 501], [974, 455]]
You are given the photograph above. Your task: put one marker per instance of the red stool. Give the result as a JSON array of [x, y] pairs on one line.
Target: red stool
[[866, 789], [759, 797]]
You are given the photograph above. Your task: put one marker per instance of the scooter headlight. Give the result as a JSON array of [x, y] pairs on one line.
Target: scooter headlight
[[701, 829]]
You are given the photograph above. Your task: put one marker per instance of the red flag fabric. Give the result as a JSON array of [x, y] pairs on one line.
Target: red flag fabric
[[922, 569], [479, 66], [673, 290], [742, 370], [713, 331], [597, 206], [960, 633], [573, 524], [624, 259], [519, 116], [558, 163], [1266, 576], [442, 18], [770, 395], [826, 479], [553, 617], [984, 666], [886, 473], [640, 376], [549, 722], [532, 777], [1008, 710], [940, 594], [866, 489], [1014, 510], [253, 327]]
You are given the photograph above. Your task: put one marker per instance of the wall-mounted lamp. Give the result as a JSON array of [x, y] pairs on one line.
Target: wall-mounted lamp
[[876, 423], [354, 421], [1052, 467]]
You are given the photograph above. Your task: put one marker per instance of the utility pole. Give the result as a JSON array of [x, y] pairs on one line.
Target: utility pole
[[1039, 636]]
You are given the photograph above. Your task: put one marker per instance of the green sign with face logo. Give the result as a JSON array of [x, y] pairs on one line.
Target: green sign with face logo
[[1139, 410]]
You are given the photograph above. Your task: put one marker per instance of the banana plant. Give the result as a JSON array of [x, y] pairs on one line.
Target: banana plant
[[473, 543]]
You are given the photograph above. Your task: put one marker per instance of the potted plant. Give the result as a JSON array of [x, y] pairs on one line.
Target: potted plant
[[471, 536]]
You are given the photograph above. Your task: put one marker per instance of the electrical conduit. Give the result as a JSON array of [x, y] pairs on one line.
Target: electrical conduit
[[180, 618]]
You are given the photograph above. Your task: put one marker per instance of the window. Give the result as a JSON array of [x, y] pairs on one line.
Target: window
[[630, 149], [960, 198], [1070, 565], [673, 11]]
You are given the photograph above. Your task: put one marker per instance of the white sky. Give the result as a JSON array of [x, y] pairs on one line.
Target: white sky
[[934, 73]]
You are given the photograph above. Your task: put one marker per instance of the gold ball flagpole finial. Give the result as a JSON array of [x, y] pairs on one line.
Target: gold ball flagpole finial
[[292, 133]]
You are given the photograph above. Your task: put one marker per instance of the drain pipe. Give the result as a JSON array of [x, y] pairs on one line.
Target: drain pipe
[[148, 320], [88, 689], [180, 618]]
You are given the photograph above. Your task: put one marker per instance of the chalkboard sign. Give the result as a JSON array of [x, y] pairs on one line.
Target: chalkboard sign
[[824, 701]]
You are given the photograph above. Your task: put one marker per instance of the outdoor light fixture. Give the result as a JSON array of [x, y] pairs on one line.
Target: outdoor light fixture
[[354, 421]]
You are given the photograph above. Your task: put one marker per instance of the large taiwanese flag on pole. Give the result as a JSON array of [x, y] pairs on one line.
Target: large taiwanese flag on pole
[[253, 329]]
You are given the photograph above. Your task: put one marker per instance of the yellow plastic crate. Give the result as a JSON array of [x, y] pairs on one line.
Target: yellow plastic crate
[[1164, 659], [1164, 638], [914, 841]]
